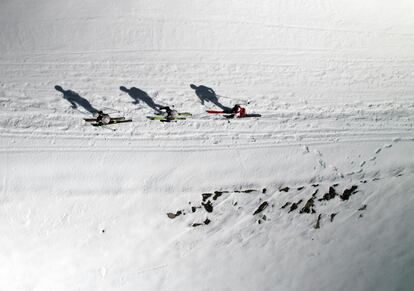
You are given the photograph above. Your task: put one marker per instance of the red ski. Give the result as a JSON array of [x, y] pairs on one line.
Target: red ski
[[216, 112]]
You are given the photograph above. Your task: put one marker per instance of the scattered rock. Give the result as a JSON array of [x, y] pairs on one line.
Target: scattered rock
[[348, 192], [364, 181], [335, 185], [261, 207], [196, 224], [207, 221], [248, 191], [103, 230], [314, 193], [235, 203], [217, 194], [174, 215], [309, 207], [206, 196], [318, 222], [330, 195], [286, 205], [208, 206], [300, 188], [264, 190], [363, 207], [286, 189], [193, 209], [315, 185], [333, 216], [295, 205], [264, 217]]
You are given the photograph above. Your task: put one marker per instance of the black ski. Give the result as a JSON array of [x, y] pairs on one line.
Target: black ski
[[247, 115]]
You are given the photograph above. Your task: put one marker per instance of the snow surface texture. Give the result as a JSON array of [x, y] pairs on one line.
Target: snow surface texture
[[329, 167]]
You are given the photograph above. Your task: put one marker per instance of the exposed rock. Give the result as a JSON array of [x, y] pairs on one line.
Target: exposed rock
[[217, 194], [348, 192], [249, 191], [363, 207], [208, 206], [330, 195], [174, 215], [286, 189], [333, 216], [286, 205], [318, 222], [206, 196], [314, 193], [295, 205], [309, 207], [261, 207]]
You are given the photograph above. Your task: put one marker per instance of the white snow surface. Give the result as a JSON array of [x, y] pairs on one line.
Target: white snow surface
[[85, 208]]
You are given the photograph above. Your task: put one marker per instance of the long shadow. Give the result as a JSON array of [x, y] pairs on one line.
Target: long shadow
[[140, 95], [205, 93], [75, 99]]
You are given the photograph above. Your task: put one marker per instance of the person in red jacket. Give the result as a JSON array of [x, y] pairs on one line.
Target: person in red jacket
[[238, 111]]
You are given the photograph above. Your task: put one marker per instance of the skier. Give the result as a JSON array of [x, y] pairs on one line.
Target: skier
[[171, 114], [238, 111], [101, 117]]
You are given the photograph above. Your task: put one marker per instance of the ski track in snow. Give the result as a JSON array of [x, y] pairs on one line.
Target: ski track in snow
[[299, 124]]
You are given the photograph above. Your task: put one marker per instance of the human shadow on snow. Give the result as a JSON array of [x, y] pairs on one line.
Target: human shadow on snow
[[140, 95], [205, 93], [76, 100]]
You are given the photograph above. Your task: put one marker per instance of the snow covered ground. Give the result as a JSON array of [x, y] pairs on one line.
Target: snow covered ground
[[317, 194]]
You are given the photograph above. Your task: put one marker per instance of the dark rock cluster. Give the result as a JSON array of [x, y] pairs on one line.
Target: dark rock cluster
[[307, 205]]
